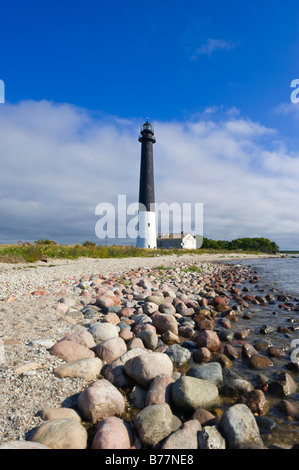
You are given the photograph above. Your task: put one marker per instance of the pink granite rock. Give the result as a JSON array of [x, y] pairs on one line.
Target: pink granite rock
[[61, 307], [159, 390], [126, 334], [100, 400], [110, 349], [185, 437], [163, 322], [135, 343], [82, 337], [208, 339], [143, 369], [112, 433], [125, 312], [70, 351]]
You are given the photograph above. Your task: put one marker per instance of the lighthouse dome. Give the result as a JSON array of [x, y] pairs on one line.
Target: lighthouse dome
[[146, 126]]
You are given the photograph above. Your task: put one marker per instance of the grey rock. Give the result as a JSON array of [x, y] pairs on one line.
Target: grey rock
[[239, 427], [265, 424], [265, 329], [156, 299], [190, 393], [150, 307], [178, 355], [153, 423], [236, 387], [46, 343], [211, 438], [102, 331], [283, 384], [149, 338], [211, 371], [226, 335], [138, 319], [137, 397]]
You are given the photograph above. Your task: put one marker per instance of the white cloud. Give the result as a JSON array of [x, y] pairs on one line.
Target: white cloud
[[58, 162], [288, 109], [212, 45]]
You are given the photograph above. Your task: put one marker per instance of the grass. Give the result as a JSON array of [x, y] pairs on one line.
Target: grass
[[192, 269], [47, 249]]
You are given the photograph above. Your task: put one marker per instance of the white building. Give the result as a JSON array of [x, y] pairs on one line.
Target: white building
[[183, 240]]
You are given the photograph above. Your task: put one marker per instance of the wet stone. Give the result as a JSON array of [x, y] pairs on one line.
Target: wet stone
[[258, 361], [178, 355], [211, 371], [239, 427], [283, 384], [211, 438], [248, 350], [256, 401], [236, 387], [201, 355], [223, 360], [265, 329], [276, 352]]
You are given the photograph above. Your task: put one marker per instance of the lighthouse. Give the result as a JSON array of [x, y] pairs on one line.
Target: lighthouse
[[147, 237]]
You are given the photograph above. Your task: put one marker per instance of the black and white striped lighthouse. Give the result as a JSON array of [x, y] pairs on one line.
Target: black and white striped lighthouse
[[147, 236]]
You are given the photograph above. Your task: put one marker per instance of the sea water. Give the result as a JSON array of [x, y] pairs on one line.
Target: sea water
[[280, 273], [279, 276]]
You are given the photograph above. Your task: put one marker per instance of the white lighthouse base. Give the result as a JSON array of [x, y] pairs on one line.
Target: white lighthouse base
[[147, 236]]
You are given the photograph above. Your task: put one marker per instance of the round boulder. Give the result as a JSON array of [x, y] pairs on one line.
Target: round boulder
[[190, 393], [211, 371], [103, 331], [144, 368], [239, 427], [110, 349], [100, 400], [61, 434], [208, 339], [112, 433], [153, 423]]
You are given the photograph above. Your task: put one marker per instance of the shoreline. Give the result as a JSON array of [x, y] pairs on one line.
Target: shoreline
[[28, 383], [41, 273], [151, 260]]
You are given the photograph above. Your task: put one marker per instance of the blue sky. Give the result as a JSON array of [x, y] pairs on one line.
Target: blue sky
[[213, 76]]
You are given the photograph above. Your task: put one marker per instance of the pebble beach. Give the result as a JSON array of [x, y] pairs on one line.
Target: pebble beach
[[144, 353]]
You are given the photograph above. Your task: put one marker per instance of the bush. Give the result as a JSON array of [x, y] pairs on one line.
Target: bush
[[45, 242], [263, 245], [87, 243]]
